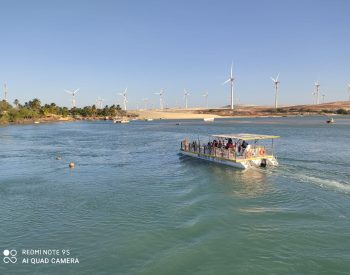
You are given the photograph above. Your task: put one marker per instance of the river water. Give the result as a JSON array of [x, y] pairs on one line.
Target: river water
[[132, 205]]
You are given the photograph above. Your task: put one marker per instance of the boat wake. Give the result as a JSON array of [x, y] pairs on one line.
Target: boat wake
[[329, 184], [301, 176], [257, 210]]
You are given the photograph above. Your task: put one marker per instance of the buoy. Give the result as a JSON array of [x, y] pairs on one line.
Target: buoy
[[71, 165], [58, 158]]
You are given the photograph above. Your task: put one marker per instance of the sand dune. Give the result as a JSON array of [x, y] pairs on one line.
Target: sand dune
[[172, 114], [241, 111]]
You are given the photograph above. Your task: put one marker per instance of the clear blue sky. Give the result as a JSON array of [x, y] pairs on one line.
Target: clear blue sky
[[104, 46]]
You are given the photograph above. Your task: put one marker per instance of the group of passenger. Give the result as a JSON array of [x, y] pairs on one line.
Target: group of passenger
[[238, 147], [241, 145], [221, 144]]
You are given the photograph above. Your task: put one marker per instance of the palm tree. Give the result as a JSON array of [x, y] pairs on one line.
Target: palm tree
[[35, 104], [16, 102]]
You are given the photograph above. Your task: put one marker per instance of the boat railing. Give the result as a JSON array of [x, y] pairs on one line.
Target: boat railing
[[253, 151]]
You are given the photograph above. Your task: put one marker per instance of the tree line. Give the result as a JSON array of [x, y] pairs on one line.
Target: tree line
[[34, 109]]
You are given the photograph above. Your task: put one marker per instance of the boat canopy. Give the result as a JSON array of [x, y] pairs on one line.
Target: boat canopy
[[244, 136]]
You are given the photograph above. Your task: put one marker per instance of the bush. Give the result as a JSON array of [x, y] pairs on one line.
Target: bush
[[281, 110], [342, 112]]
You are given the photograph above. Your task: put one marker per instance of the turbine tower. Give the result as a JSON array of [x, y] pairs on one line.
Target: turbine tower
[[313, 97], [160, 98], [125, 99], [5, 92], [323, 96], [231, 80], [276, 84], [99, 102], [206, 99], [73, 93], [145, 100], [317, 89], [186, 94]]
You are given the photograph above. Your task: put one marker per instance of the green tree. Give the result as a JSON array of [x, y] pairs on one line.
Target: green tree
[[16, 102], [35, 104]]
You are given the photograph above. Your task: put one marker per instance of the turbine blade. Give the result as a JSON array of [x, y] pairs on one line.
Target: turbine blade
[[76, 90], [273, 79], [228, 80], [277, 77]]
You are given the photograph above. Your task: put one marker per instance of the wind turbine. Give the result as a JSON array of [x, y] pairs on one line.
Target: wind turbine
[[145, 100], [160, 98], [5, 92], [186, 94], [231, 79], [206, 99], [73, 93], [125, 99], [99, 102], [313, 97], [317, 87], [276, 83]]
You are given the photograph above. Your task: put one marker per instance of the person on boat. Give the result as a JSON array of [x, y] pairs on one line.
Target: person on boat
[[229, 144], [244, 148], [186, 144], [209, 146], [194, 144], [220, 144], [242, 145]]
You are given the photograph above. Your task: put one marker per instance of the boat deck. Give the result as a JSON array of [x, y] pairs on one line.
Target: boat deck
[[230, 158]]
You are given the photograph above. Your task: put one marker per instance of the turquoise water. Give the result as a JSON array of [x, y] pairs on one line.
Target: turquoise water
[[132, 205]]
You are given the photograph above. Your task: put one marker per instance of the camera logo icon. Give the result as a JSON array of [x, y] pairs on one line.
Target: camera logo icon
[[10, 256]]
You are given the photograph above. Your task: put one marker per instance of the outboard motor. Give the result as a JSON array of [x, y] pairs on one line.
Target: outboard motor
[[263, 163]]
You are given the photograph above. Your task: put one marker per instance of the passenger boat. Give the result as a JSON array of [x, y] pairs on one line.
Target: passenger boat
[[209, 119], [330, 121], [117, 120], [237, 150]]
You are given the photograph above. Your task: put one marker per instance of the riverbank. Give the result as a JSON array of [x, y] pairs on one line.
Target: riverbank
[[242, 111], [51, 119]]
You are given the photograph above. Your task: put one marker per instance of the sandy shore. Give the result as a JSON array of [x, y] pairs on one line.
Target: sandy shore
[[244, 111], [241, 111], [171, 114]]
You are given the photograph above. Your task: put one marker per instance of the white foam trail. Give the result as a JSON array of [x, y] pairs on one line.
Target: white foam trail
[[324, 183], [259, 209], [340, 186]]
